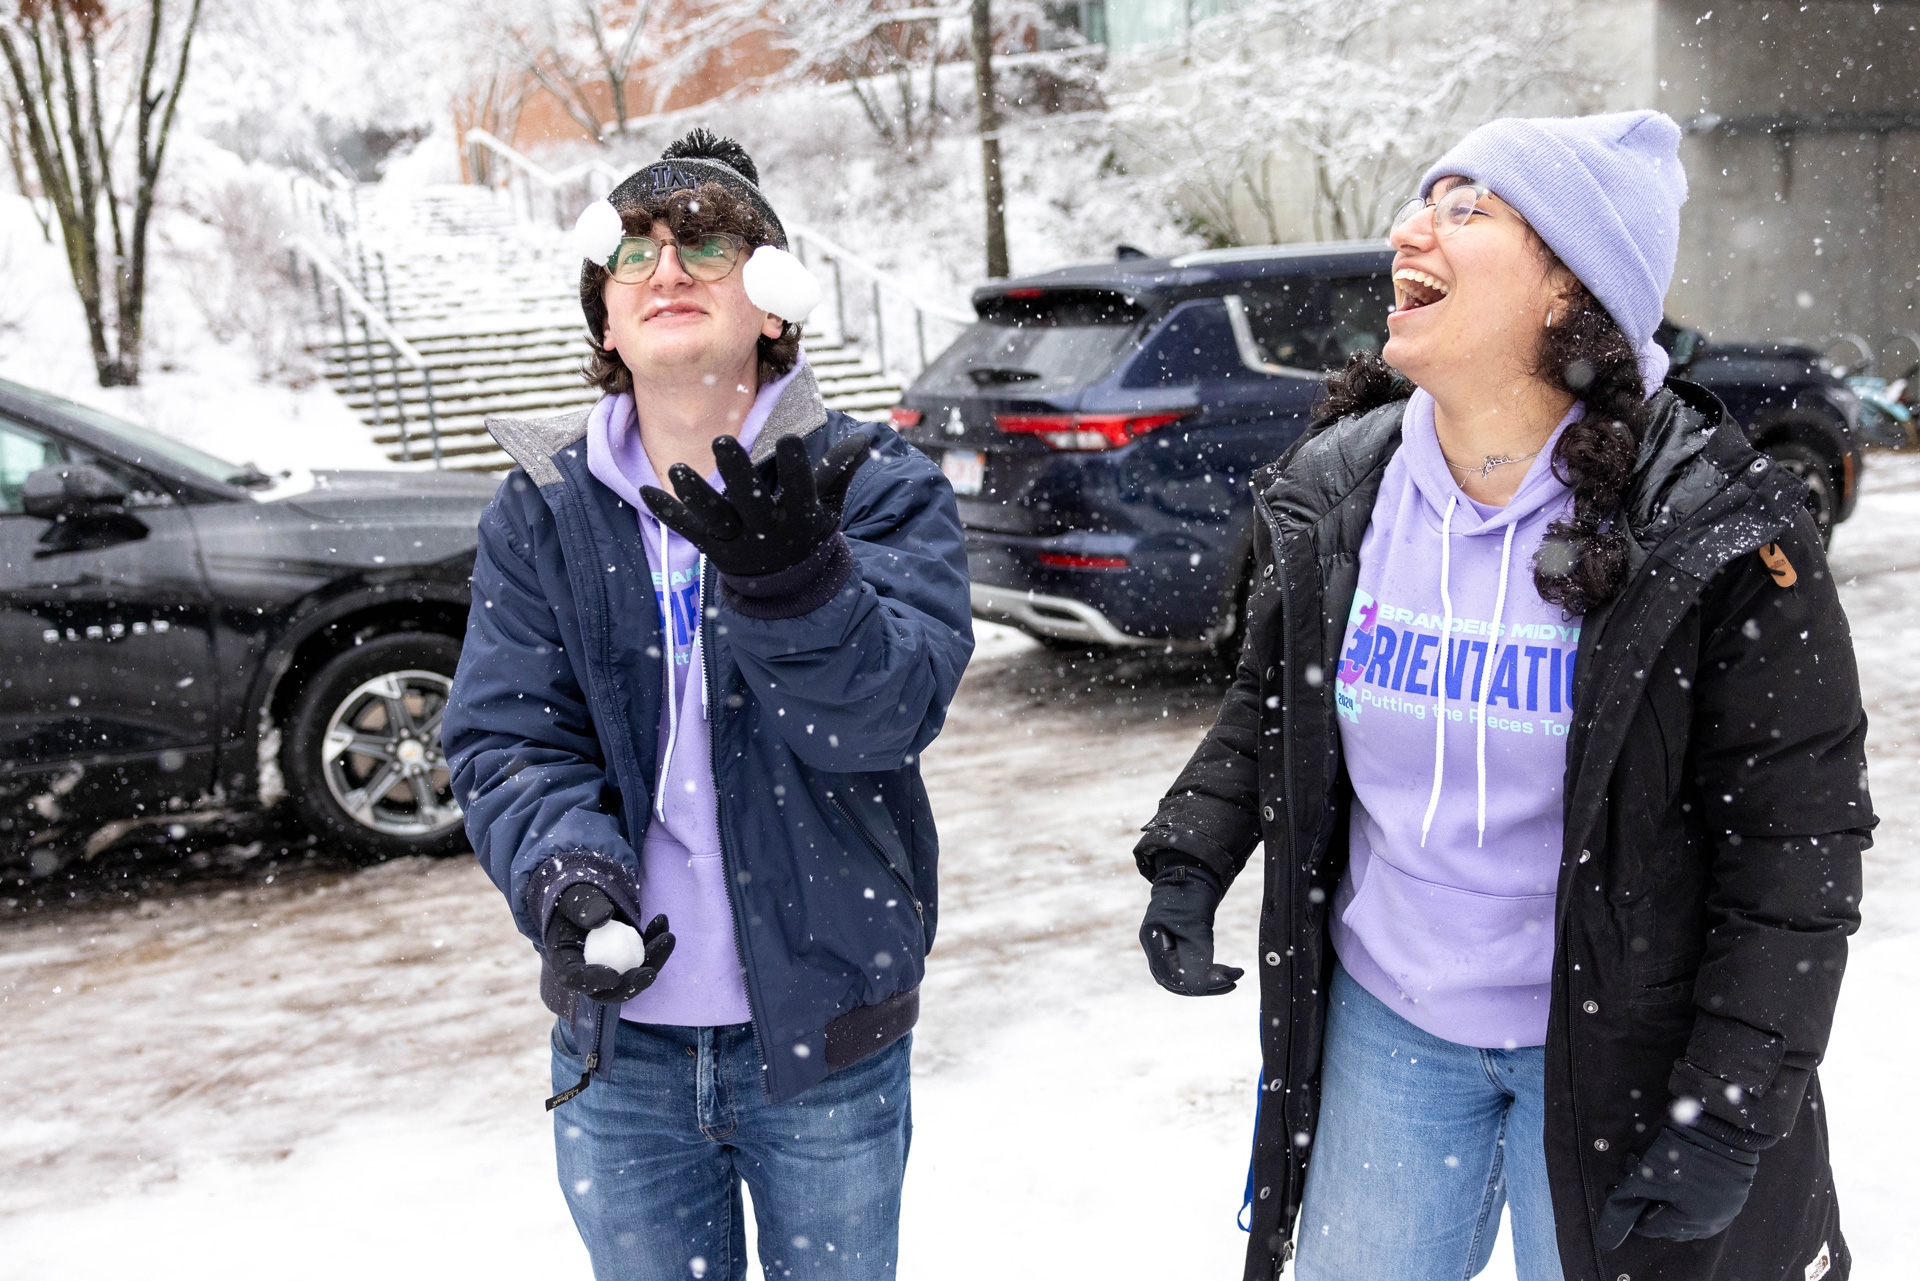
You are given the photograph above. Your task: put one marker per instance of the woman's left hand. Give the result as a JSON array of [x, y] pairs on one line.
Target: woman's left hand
[[1686, 1187]]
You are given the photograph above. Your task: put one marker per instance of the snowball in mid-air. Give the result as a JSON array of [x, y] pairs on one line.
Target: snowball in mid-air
[[778, 282], [616, 945], [597, 232]]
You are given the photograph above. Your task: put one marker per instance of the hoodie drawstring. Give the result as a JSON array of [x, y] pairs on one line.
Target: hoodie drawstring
[[1440, 684], [1486, 686], [1440, 680]]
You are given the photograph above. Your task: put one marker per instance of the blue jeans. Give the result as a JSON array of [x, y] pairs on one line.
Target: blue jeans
[[652, 1158], [1420, 1143]]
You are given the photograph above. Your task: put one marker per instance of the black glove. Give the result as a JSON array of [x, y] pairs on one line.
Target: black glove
[[754, 528], [1688, 1186], [1178, 933], [580, 908]]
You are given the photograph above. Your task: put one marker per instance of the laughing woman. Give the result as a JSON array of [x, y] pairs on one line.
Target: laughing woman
[[1547, 716]]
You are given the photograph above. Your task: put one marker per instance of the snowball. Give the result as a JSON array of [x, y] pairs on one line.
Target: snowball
[[597, 232], [778, 282], [616, 945]]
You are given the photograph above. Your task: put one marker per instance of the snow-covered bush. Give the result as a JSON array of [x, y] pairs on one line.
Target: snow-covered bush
[[233, 256]]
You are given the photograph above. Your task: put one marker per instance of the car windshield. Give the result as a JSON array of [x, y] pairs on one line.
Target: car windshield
[[142, 442], [1036, 344]]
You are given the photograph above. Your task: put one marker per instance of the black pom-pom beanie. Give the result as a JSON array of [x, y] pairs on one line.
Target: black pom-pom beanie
[[701, 156]]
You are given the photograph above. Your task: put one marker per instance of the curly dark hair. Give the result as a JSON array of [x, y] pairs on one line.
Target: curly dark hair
[[689, 214], [1583, 560]]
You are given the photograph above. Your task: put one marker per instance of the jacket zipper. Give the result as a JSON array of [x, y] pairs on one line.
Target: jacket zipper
[[728, 861], [571, 519], [846, 812]]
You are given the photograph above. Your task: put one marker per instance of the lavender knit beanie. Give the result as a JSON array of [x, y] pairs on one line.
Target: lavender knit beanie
[[1604, 192]]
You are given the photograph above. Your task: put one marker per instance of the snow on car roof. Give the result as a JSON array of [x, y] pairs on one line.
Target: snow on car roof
[[1260, 253]]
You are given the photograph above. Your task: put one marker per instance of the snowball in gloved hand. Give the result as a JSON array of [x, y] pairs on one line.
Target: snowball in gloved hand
[[617, 946], [778, 282]]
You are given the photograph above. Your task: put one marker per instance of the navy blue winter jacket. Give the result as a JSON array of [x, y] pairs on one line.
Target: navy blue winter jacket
[[817, 722]]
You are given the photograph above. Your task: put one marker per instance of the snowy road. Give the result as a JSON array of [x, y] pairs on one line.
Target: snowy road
[[340, 1073]]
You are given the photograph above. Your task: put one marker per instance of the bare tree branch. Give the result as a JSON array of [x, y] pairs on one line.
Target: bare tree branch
[[75, 155]]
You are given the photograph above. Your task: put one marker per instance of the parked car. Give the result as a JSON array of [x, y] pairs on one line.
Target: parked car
[[1792, 405], [182, 638], [1100, 423]]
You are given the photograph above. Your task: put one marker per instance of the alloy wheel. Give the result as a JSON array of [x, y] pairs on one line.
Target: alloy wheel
[[382, 758]]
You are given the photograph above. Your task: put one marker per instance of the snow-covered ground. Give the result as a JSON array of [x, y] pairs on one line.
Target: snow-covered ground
[[341, 1071]]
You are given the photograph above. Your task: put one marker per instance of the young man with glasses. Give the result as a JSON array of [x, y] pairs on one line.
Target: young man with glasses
[[705, 712]]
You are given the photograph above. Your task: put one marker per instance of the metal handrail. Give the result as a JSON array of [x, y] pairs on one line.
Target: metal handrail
[[881, 283], [798, 231], [551, 181], [348, 298], [540, 173]]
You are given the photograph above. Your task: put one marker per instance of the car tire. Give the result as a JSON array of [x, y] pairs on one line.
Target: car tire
[[1810, 465], [370, 716]]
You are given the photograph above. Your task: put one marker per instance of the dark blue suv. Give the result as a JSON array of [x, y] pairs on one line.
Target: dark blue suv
[[1100, 423]]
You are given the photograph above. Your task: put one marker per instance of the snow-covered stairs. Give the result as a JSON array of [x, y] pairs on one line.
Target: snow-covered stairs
[[490, 304]]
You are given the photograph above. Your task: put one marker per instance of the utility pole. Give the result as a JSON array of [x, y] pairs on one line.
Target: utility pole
[[989, 112]]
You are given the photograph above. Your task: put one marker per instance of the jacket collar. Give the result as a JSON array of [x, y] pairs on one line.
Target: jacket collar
[[1324, 468], [536, 443]]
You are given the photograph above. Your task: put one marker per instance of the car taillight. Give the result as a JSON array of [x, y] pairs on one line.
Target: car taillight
[[1085, 432], [1062, 560], [904, 417]]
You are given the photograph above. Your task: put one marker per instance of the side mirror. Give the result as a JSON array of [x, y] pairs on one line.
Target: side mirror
[[70, 489], [1686, 346]]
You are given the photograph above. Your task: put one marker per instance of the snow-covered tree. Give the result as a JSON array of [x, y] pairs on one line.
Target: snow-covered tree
[[1346, 99], [96, 86], [886, 52]]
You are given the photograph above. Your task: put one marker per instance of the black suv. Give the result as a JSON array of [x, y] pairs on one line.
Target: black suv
[[1100, 423], [1792, 406], [182, 638]]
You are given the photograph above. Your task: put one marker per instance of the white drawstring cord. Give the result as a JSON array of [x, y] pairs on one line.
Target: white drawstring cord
[[1486, 686], [1440, 681], [673, 652]]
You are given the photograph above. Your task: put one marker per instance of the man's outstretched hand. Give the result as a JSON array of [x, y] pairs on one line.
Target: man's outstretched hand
[[579, 909], [772, 517]]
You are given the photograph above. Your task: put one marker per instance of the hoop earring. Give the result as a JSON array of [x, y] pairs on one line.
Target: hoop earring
[[1549, 320]]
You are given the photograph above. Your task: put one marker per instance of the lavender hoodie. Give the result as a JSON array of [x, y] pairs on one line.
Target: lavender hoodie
[[1446, 909], [681, 869]]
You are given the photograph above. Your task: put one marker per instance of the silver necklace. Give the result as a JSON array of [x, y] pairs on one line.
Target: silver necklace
[[1489, 462]]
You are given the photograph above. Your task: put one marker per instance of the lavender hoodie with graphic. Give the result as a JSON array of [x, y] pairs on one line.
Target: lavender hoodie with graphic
[[1446, 910], [681, 869]]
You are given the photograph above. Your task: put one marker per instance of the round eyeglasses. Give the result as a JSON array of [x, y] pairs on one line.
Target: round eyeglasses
[[712, 257], [1452, 208]]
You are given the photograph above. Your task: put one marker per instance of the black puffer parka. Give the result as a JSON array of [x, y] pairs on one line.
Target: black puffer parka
[[1716, 811]]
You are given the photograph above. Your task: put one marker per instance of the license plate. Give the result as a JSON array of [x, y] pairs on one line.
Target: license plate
[[966, 470]]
